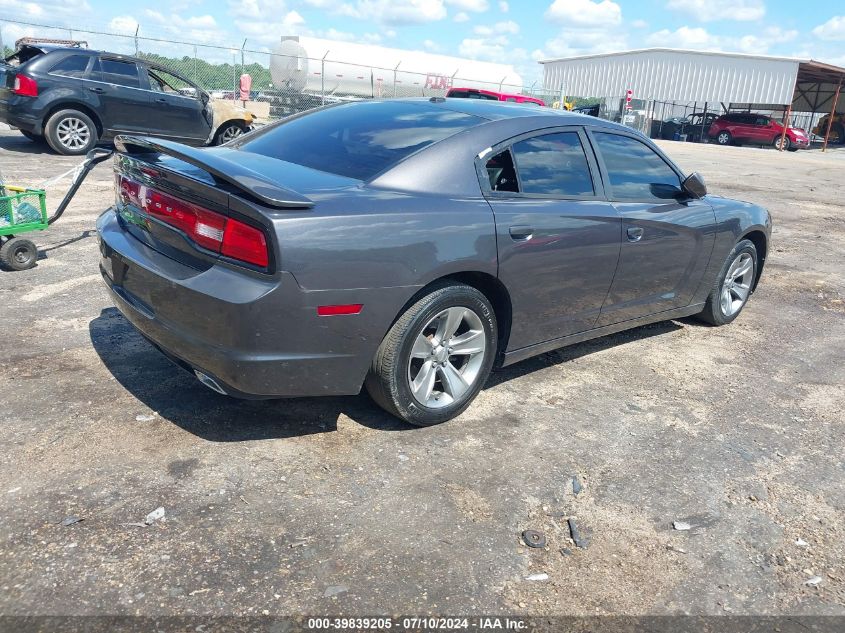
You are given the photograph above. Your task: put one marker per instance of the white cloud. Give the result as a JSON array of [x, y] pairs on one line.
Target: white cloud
[[833, 29], [263, 10], [590, 41], [198, 28], [584, 13], [477, 6], [698, 38], [395, 11], [712, 10], [43, 10], [503, 6], [639, 24], [124, 24], [493, 49], [461, 17], [431, 45], [293, 20], [499, 28]]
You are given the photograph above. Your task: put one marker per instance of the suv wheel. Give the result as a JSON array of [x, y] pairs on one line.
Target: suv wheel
[[785, 145], [436, 357], [723, 138], [229, 132], [71, 132]]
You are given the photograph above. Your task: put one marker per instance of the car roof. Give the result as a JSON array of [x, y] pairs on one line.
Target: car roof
[[498, 110]]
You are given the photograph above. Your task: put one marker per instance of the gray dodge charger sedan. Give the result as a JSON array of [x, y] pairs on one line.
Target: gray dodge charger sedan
[[410, 246]]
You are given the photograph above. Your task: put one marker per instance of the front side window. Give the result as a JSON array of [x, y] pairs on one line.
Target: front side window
[[118, 72], [635, 171], [71, 66], [163, 81], [553, 164]]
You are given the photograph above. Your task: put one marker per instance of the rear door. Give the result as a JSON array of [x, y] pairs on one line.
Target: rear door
[[666, 237], [177, 115], [558, 239], [125, 100]]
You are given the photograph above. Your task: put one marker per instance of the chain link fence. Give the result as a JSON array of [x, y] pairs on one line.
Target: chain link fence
[[280, 85]]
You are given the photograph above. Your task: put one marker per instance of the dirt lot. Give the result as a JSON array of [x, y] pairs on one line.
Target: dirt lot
[[330, 506]]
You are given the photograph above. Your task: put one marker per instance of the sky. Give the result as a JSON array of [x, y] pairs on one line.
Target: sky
[[516, 32]]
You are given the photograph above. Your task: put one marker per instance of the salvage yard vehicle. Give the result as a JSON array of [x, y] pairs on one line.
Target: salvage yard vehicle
[[756, 129], [74, 98], [837, 128], [408, 246]]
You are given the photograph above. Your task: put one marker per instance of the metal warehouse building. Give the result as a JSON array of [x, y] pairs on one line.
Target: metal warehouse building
[[718, 81]]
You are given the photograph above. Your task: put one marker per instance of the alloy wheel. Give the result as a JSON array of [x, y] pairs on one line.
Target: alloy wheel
[[447, 357], [723, 138], [230, 133], [73, 133], [737, 284]]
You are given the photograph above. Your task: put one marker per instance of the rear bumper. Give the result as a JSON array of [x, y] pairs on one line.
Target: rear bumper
[[256, 336], [21, 120]]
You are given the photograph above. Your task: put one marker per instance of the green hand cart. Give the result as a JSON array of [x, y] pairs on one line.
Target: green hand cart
[[24, 210]]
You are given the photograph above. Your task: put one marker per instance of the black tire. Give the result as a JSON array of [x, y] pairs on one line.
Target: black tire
[[786, 142], [840, 133], [724, 138], [18, 254], [388, 381], [229, 132], [714, 312], [65, 143]]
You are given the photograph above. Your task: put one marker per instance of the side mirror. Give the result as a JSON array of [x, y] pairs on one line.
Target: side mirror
[[694, 186]]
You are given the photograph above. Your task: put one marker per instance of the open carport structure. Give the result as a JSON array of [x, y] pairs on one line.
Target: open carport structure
[[718, 80]]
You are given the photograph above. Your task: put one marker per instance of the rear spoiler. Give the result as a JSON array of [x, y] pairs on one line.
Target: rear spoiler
[[222, 167]]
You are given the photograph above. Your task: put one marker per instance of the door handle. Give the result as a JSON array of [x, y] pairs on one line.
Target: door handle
[[520, 232], [635, 234], [161, 100], [99, 91]]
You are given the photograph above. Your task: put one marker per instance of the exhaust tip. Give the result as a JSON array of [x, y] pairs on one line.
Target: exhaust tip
[[209, 382]]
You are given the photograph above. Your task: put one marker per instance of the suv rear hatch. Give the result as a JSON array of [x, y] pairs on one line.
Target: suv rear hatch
[[10, 67]]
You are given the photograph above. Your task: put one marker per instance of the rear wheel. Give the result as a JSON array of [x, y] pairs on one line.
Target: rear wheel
[[436, 357], [837, 134], [71, 132], [18, 254], [733, 286], [723, 138]]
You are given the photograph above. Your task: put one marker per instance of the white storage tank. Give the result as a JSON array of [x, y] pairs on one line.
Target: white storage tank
[[376, 71]]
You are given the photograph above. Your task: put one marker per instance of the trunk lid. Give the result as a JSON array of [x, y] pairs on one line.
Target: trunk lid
[[230, 183]]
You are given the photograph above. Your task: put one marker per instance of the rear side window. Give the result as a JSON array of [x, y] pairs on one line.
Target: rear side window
[[359, 140], [553, 164], [636, 171], [72, 66], [118, 72]]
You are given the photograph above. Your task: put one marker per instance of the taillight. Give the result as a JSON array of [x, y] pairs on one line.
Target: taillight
[[25, 86], [211, 230], [245, 243]]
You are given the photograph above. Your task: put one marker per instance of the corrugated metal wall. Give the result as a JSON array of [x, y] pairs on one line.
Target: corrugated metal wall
[[682, 76]]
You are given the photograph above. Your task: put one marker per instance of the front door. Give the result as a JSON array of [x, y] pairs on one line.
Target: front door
[[558, 240], [667, 237], [179, 107]]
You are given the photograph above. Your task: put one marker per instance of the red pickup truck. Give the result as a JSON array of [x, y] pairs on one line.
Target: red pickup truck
[[490, 95]]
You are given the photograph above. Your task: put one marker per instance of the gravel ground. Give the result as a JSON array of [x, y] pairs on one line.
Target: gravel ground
[[330, 506]]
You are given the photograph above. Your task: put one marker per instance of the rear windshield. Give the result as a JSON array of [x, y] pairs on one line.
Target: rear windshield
[[359, 140]]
